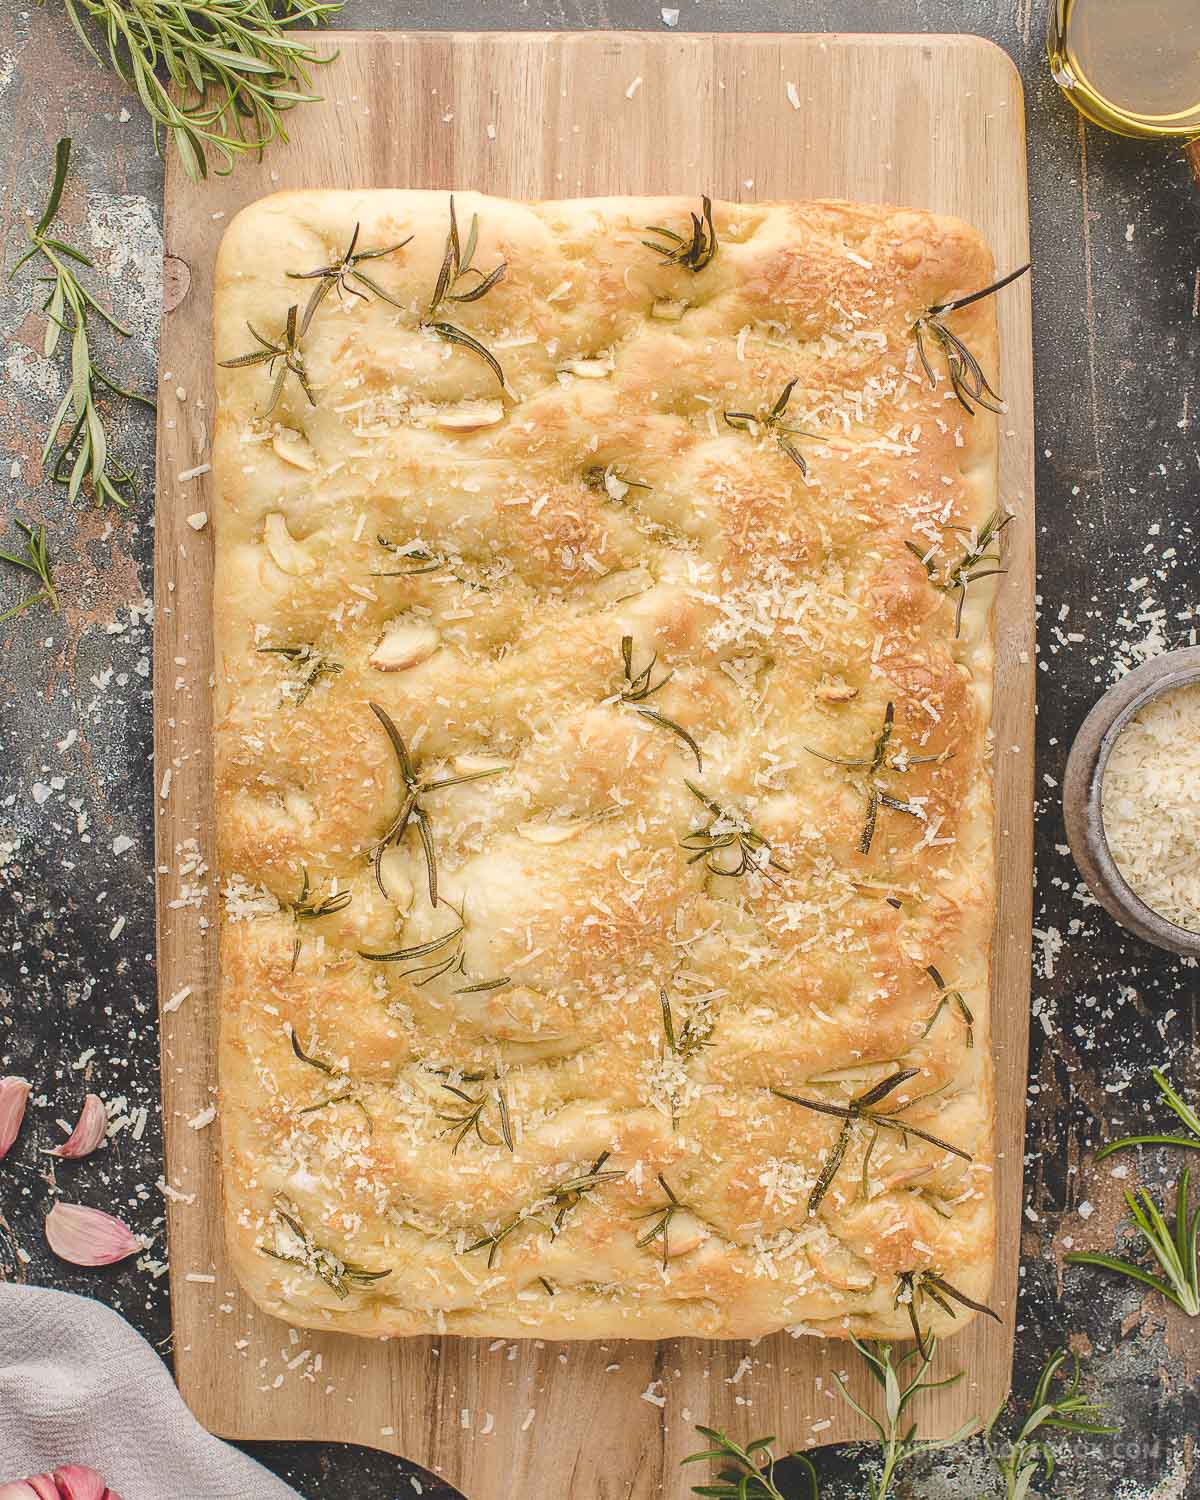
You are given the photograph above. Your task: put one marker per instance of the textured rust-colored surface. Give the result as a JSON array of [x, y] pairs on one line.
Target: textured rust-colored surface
[[1117, 307]]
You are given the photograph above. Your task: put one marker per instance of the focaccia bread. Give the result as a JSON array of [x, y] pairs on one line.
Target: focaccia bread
[[603, 765]]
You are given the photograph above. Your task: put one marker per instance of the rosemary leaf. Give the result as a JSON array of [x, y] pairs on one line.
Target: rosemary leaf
[[967, 379]]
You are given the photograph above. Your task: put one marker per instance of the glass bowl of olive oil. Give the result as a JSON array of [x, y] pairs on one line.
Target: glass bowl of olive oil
[[1131, 66]]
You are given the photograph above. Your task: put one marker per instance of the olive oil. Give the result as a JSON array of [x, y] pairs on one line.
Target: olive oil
[[1132, 66]]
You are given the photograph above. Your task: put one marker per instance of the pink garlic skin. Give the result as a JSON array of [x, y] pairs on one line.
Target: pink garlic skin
[[88, 1237], [13, 1094], [75, 1482], [88, 1133], [69, 1482]]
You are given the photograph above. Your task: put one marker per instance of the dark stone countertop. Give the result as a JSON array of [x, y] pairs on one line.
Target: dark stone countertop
[[1117, 317]]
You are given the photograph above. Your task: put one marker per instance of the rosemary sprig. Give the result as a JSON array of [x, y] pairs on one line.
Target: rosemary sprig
[[693, 251], [457, 266], [861, 1110], [304, 909], [1062, 1409], [335, 1272], [280, 356], [84, 455], [897, 1436], [610, 482], [422, 950], [742, 1476], [340, 273], [420, 559], [689, 1039], [1174, 1250], [215, 77], [954, 998], [967, 379], [1179, 1106], [319, 666], [772, 421], [879, 760], [728, 830], [564, 1197], [37, 562], [662, 1214], [470, 1119], [913, 1286], [967, 570], [639, 686], [411, 810]]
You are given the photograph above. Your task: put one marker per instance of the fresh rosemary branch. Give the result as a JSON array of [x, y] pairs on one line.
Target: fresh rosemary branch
[[728, 830], [457, 266], [741, 1475], [411, 810], [233, 65], [967, 379], [913, 1286], [638, 687], [693, 252], [1174, 1250], [662, 1215], [1174, 1102], [471, 1118], [861, 1110], [304, 909], [872, 765], [84, 455], [967, 570], [898, 1436], [952, 998], [340, 273], [772, 421], [319, 665], [335, 1272], [1062, 1409], [37, 562], [280, 356]]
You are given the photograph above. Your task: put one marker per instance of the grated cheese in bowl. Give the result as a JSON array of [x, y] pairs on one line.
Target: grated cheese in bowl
[[1151, 805]]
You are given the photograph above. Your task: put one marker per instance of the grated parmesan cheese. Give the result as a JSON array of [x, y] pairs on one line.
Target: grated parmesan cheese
[[1151, 801]]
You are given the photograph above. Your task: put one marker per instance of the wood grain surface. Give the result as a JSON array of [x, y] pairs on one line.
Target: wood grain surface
[[929, 121]]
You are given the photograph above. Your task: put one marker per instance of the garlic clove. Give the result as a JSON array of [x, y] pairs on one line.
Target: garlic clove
[[88, 1236], [589, 369], [13, 1095], [470, 763], [685, 1233], [394, 877], [288, 555], [548, 833], [23, 1490], [667, 311], [467, 416], [406, 644], [88, 1133], [43, 1486], [77, 1482], [295, 449]]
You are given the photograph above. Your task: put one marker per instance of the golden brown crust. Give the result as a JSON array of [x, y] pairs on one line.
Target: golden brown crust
[[790, 611]]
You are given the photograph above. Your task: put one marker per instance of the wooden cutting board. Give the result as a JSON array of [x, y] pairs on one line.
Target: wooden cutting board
[[930, 121]]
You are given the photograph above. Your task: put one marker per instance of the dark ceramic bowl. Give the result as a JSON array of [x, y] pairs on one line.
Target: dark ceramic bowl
[[1082, 796]]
